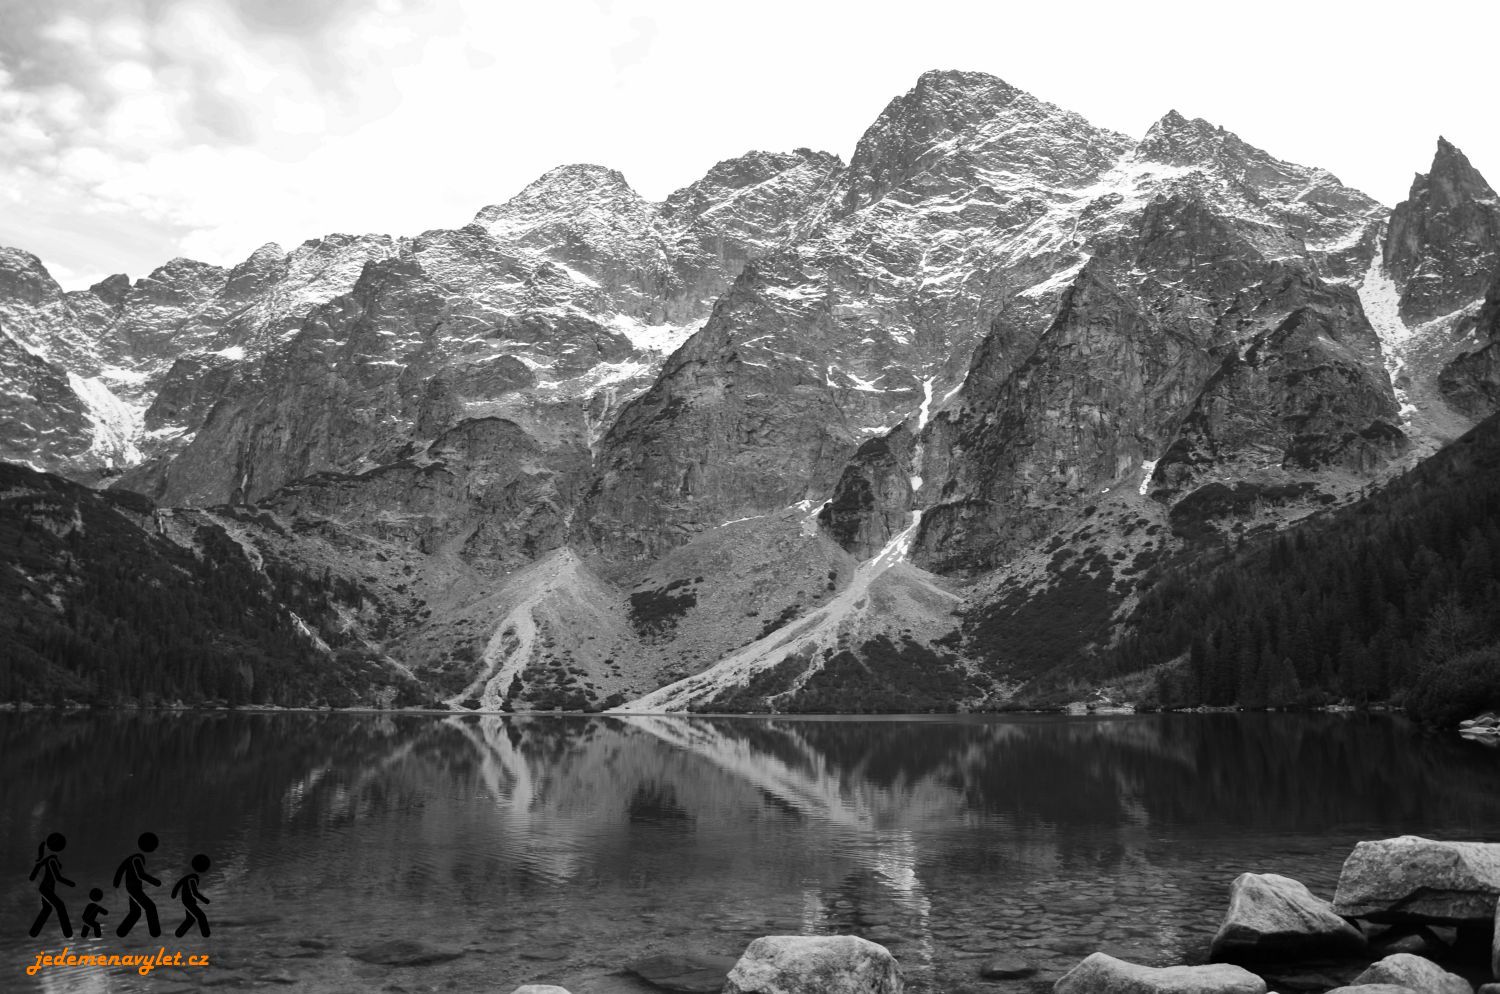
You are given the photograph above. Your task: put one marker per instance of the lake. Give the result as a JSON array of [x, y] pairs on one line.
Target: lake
[[556, 849]]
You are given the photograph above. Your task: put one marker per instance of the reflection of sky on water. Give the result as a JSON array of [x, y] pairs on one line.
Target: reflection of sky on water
[[506, 833]]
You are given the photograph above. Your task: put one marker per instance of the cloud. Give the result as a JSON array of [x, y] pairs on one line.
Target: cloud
[[138, 130]]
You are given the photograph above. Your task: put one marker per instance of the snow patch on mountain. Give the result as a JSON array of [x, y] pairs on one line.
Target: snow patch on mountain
[[116, 424]]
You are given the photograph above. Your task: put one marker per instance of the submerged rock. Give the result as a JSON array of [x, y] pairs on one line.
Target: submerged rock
[[815, 964], [1406, 970], [1006, 968], [1374, 989], [1276, 917], [688, 973], [1417, 879], [539, 989], [405, 952], [1103, 974]]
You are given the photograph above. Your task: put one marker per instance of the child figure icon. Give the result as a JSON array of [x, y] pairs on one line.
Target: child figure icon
[[187, 890], [92, 912]]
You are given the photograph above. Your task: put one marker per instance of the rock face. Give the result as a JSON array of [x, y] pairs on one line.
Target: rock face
[[1416, 879], [1470, 381], [1276, 917], [1406, 970], [802, 964], [1443, 242], [1103, 974]]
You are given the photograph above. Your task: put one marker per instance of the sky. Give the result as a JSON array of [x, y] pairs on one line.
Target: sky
[[135, 131]]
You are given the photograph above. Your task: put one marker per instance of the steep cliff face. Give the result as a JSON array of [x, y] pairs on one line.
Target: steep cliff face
[[1471, 380], [1192, 251], [937, 222], [1443, 242]]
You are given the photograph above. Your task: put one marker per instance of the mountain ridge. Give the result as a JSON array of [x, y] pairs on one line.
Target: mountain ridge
[[997, 334]]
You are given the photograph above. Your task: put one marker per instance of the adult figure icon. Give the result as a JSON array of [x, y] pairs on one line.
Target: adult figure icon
[[187, 887], [50, 868], [133, 872]]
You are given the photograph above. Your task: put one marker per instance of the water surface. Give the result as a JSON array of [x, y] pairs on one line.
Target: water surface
[[556, 849]]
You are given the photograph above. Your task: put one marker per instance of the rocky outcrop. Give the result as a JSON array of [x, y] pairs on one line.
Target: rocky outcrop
[[1422, 880], [1276, 917], [1144, 375], [1443, 242], [813, 964], [1103, 974], [1415, 972]]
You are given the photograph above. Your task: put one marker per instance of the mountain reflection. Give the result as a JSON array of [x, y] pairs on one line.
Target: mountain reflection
[[864, 819]]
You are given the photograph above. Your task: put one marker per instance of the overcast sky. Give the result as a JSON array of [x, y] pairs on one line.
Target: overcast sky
[[132, 131]]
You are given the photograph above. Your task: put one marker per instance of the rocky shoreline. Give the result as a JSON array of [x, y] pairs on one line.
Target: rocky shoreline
[[1410, 916]]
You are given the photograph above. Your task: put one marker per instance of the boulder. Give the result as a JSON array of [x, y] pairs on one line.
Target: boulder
[[1103, 974], [539, 989], [1488, 989], [815, 964], [1374, 989], [1495, 944], [1414, 879], [1406, 970], [684, 973], [1273, 917], [1420, 940]]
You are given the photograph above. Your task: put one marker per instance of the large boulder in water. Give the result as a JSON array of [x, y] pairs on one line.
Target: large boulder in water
[[1406, 970], [1103, 974], [1272, 917], [1416, 879], [815, 964], [1375, 989]]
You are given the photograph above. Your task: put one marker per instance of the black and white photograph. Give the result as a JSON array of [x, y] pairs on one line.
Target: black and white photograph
[[666, 497]]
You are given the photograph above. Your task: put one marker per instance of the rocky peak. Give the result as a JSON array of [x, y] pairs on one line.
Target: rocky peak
[[728, 179], [1452, 181], [1180, 141], [1443, 242], [257, 272], [942, 106], [561, 191], [179, 282], [112, 289], [24, 280]]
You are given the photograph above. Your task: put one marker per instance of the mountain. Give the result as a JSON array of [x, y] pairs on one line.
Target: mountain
[[913, 431]]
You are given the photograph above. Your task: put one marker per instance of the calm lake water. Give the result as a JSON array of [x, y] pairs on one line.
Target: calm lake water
[[556, 849]]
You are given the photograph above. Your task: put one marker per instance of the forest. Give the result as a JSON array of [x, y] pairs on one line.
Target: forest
[[101, 611], [1394, 598]]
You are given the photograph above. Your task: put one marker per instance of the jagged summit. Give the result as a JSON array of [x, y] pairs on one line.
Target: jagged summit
[[1443, 242], [1451, 180], [943, 106]]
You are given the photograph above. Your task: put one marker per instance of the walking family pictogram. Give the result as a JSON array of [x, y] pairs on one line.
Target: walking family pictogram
[[133, 876]]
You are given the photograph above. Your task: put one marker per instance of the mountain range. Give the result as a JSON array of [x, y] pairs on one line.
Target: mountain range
[[804, 434]]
